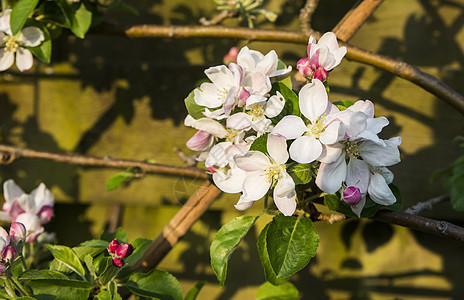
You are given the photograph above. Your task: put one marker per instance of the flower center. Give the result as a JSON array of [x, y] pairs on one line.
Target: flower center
[[257, 111], [11, 45], [274, 172], [231, 135], [317, 128], [354, 149]]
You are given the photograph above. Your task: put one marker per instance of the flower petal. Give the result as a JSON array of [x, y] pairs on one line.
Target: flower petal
[[245, 59], [305, 149], [243, 204], [239, 121], [379, 191], [377, 155], [252, 161], [330, 153], [277, 148], [332, 133], [232, 182], [313, 100], [255, 186], [11, 191], [220, 76], [268, 65], [217, 155], [31, 36], [24, 59], [274, 105], [285, 195], [330, 176], [200, 141], [290, 127], [6, 59], [358, 174], [357, 209]]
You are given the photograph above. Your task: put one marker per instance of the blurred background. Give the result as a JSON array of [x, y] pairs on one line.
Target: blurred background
[[124, 98]]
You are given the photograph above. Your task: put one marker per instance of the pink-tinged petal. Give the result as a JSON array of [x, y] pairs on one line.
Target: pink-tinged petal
[[313, 100], [377, 155], [200, 141], [321, 74], [304, 67], [329, 40], [285, 195], [243, 95], [330, 153], [268, 65], [255, 186], [237, 73], [274, 105], [231, 56], [377, 124], [252, 161], [220, 76], [305, 149], [332, 133], [17, 232], [239, 121], [16, 209], [6, 59], [232, 182], [11, 191], [311, 41], [379, 191], [24, 59], [326, 59], [366, 107], [330, 176], [277, 148], [32, 224], [31, 36], [5, 217], [245, 59], [357, 209], [210, 126], [217, 114], [217, 155], [290, 127], [358, 174], [259, 82], [282, 72], [243, 204], [45, 214], [253, 99], [230, 100], [4, 235]]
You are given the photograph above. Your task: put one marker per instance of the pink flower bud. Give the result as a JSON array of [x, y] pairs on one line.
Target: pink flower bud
[[17, 232], [231, 56], [321, 74], [114, 244], [118, 262], [2, 268], [45, 214], [199, 141], [9, 253], [304, 67], [352, 195], [124, 250]]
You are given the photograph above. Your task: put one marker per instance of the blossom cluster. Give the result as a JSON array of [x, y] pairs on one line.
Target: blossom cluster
[[248, 102], [9, 242], [33, 210], [119, 252]]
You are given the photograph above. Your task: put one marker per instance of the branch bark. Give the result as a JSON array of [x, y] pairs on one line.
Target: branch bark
[[306, 14], [11, 154], [426, 205], [398, 68], [192, 210], [352, 21]]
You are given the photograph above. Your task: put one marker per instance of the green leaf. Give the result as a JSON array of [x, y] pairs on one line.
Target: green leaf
[[156, 283], [88, 260], [301, 173], [140, 245], [81, 20], [343, 104], [68, 257], [291, 106], [42, 274], [260, 144], [287, 81], [226, 241], [116, 180], [104, 295], [60, 289], [268, 291], [19, 14], [264, 256], [291, 243], [44, 50], [119, 235], [67, 13], [195, 110], [193, 293], [94, 244]]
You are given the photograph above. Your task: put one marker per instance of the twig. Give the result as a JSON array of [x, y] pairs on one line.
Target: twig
[[353, 20], [192, 210], [434, 227], [306, 14], [218, 18], [11, 154], [332, 218], [189, 160], [426, 205], [398, 68]]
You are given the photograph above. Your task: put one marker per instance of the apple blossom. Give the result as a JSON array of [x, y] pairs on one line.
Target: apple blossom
[[17, 232], [265, 172], [9, 253], [4, 239], [15, 45]]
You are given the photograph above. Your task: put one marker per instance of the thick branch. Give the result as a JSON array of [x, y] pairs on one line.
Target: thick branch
[[353, 20], [11, 154], [434, 227], [192, 210], [398, 68]]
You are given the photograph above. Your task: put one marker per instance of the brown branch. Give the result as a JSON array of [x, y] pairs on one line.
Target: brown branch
[[306, 14], [192, 210], [11, 154], [218, 18], [426, 205], [398, 68], [353, 20], [434, 227]]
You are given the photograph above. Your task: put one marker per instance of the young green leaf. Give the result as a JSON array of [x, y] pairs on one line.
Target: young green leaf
[[68, 257], [81, 20], [287, 81], [22, 9], [301, 173], [155, 284], [226, 241], [291, 243], [291, 106], [116, 180], [260, 144], [268, 291], [195, 110], [343, 104], [193, 293]]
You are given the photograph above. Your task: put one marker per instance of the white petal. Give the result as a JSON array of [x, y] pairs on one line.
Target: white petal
[[11, 191], [338, 55], [357, 209], [200, 141], [39, 195], [326, 59], [366, 107], [330, 176], [305, 149], [255, 186], [285, 195], [290, 127], [282, 72], [357, 124], [6, 59], [261, 125], [240, 121], [259, 82], [4, 236], [313, 100], [210, 126], [274, 105], [379, 191], [208, 95], [245, 59], [24, 59], [217, 155], [232, 182], [5, 22], [220, 76], [329, 40], [332, 133], [31, 36], [377, 155], [243, 204], [252, 161], [277, 148], [377, 124], [254, 99], [358, 174], [372, 137], [330, 153], [268, 65]]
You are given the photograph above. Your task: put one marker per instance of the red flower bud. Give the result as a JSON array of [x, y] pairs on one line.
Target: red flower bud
[[118, 262], [9, 253], [114, 244], [124, 250], [352, 195]]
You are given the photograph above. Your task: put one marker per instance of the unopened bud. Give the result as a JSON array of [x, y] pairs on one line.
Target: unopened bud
[[17, 232], [124, 250], [352, 195], [118, 262], [304, 67], [9, 253], [114, 244], [45, 214]]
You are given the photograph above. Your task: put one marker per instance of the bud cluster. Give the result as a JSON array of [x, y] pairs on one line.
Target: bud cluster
[[119, 252], [11, 243]]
